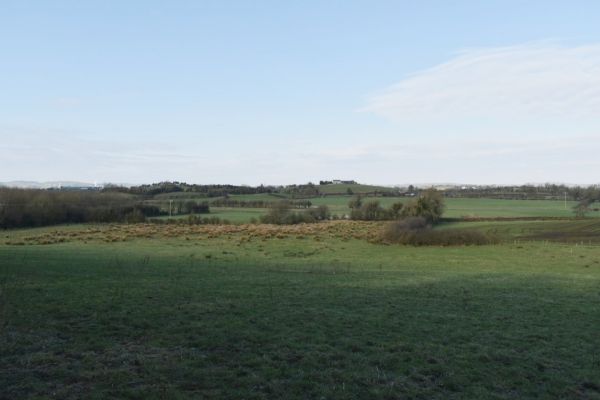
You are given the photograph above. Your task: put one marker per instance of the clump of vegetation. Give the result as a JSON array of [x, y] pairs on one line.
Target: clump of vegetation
[[409, 224], [583, 207], [320, 213], [416, 231], [367, 211], [428, 205]]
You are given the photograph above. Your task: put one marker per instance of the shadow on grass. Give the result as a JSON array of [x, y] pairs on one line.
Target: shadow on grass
[[132, 325]]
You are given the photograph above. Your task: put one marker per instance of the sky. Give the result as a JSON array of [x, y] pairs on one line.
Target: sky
[[282, 92]]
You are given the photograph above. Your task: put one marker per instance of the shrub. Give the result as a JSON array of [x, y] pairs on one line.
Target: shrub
[[429, 205], [355, 203], [416, 232], [396, 210], [278, 213], [409, 224], [320, 213], [370, 211]]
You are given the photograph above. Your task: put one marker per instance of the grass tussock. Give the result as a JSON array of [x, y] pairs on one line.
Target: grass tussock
[[416, 232]]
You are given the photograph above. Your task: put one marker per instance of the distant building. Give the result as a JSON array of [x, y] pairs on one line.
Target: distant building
[[340, 182]]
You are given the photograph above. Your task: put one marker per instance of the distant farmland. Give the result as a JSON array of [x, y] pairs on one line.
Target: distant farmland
[[455, 207]]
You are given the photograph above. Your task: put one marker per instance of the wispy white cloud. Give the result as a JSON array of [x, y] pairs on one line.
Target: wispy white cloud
[[532, 80]]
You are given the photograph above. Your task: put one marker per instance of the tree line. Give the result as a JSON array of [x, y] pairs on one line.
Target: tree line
[[36, 207], [515, 192], [176, 187], [547, 191]]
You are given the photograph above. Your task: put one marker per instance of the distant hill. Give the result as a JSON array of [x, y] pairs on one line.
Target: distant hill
[[356, 188], [44, 185]]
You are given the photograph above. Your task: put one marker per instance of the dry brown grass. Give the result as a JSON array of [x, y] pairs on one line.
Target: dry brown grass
[[112, 233]]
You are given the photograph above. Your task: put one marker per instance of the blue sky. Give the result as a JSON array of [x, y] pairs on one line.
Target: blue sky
[[250, 92]]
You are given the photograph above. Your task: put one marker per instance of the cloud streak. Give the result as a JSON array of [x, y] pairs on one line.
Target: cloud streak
[[540, 80]]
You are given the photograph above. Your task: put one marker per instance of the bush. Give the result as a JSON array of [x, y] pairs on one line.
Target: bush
[[396, 210], [416, 232], [429, 205], [320, 213], [355, 203], [369, 211], [278, 214], [406, 225]]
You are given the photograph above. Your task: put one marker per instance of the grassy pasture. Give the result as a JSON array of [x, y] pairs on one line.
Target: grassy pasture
[[463, 207], [586, 231], [237, 214], [311, 311]]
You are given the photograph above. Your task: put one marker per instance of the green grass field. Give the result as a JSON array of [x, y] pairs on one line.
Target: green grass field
[[173, 312], [237, 215], [464, 207]]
